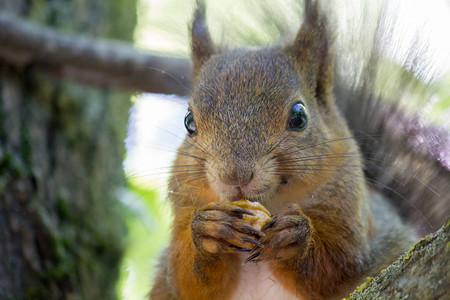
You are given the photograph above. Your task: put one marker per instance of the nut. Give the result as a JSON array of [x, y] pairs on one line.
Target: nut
[[261, 217]]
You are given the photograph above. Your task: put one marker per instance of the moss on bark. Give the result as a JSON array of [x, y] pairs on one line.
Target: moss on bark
[[420, 273], [61, 152]]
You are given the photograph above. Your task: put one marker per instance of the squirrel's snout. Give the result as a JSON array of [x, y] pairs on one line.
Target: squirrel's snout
[[242, 179], [236, 177]]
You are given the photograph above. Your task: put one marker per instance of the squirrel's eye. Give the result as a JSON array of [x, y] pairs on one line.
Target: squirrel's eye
[[298, 117], [190, 124]]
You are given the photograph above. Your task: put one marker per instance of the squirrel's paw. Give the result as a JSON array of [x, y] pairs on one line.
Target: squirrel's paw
[[287, 236], [220, 228]]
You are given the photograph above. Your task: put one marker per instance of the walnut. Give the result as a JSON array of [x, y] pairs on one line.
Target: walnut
[[261, 214]]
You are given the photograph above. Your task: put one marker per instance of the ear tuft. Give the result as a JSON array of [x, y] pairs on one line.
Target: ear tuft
[[201, 44], [312, 54], [311, 14]]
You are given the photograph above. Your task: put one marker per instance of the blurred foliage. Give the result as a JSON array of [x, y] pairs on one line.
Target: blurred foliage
[[148, 220], [163, 26]]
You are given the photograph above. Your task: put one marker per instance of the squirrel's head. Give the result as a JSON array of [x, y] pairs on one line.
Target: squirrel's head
[[259, 120]]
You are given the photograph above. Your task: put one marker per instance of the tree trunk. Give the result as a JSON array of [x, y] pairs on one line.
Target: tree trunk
[[61, 151]]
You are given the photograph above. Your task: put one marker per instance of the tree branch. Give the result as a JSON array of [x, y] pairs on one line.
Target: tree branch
[[104, 63], [421, 273]]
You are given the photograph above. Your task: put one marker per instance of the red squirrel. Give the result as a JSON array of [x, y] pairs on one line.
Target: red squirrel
[[263, 125]]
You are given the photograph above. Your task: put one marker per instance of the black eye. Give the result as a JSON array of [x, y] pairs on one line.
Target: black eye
[[190, 124], [298, 117]]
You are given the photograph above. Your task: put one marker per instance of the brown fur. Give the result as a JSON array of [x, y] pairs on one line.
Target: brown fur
[[323, 235]]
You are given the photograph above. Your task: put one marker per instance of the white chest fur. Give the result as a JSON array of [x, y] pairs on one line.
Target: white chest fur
[[256, 282]]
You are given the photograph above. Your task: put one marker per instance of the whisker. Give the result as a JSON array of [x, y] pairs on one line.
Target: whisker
[[171, 76], [276, 144], [313, 171], [312, 146], [402, 197], [320, 156], [319, 165], [196, 145], [191, 155], [369, 160]]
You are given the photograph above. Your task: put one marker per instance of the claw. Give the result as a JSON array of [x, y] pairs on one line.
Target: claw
[[257, 247], [241, 211], [254, 230], [252, 257], [249, 240], [240, 248], [268, 225]]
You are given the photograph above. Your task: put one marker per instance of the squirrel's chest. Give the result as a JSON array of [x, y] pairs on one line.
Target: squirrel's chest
[[256, 282]]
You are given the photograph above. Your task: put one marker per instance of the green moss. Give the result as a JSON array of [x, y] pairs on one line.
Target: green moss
[[26, 150], [65, 267], [417, 245], [62, 210], [409, 254], [64, 249], [5, 161], [44, 88], [362, 286], [10, 164], [33, 292]]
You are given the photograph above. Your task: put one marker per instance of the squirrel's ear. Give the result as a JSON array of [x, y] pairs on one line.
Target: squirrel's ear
[[312, 54], [201, 44]]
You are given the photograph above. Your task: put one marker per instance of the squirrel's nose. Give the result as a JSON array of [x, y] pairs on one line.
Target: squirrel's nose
[[236, 177]]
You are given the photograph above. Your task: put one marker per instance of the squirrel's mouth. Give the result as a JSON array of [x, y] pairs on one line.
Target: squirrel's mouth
[[238, 197], [258, 195]]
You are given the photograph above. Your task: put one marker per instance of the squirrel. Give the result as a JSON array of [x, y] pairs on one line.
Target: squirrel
[[264, 125]]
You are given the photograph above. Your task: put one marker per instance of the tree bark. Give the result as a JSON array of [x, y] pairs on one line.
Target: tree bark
[[421, 273], [61, 152]]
